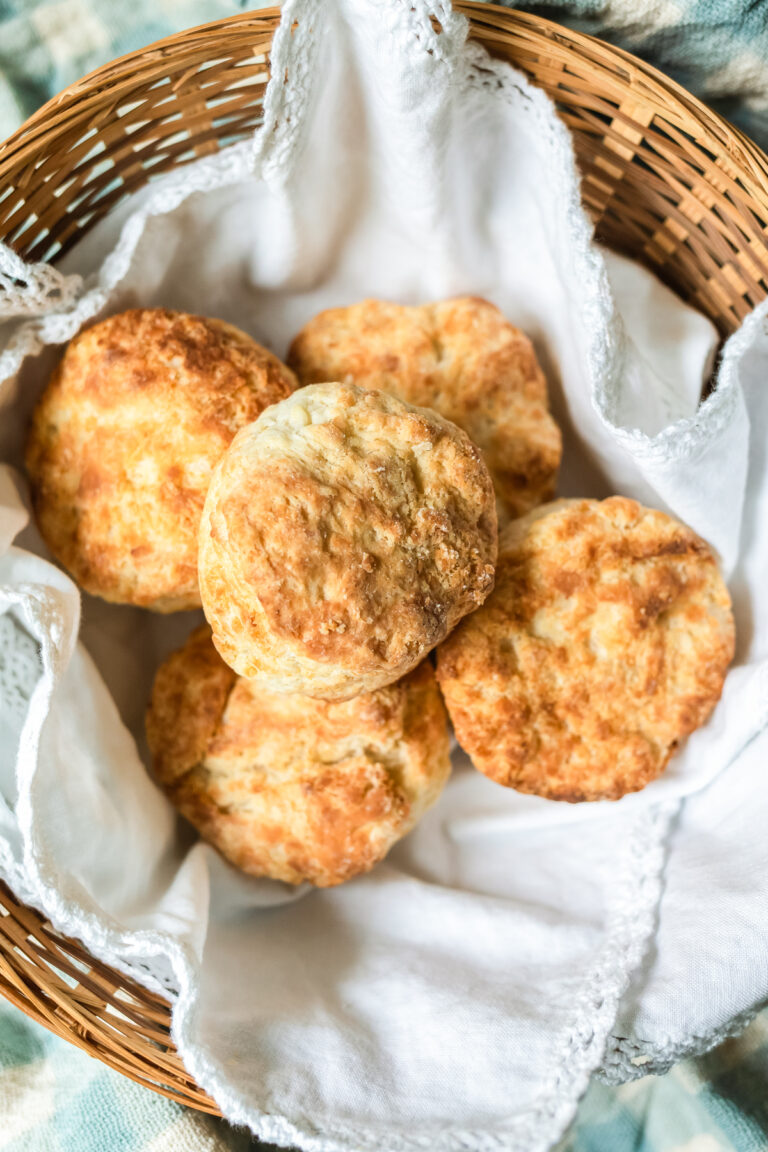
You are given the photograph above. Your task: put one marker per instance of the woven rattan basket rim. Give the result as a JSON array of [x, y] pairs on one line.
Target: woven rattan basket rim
[[710, 154], [483, 17], [480, 14], [702, 227]]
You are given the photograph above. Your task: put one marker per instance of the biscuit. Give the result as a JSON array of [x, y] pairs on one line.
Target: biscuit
[[123, 442], [460, 357], [605, 643], [290, 787], [344, 534]]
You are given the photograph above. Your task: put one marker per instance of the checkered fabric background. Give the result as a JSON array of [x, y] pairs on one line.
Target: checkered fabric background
[[55, 1099]]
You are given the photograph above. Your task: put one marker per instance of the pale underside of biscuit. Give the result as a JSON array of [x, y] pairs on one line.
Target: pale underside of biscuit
[[124, 440], [460, 357], [344, 534], [604, 645], [289, 787]]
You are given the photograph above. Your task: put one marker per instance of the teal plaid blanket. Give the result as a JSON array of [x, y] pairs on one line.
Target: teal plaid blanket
[[55, 1099]]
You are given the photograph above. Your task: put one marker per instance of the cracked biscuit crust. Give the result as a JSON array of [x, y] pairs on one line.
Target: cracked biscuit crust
[[460, 357], [290, 787], [605, 643], [123, 442], [344, 534]]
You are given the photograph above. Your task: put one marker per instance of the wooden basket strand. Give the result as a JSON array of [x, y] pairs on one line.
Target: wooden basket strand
[[665, 179], [56, 982]]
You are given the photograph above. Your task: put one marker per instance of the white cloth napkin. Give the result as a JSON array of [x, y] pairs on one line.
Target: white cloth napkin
[[460, 995]]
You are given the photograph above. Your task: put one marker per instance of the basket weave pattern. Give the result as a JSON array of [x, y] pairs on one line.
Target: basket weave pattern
[[666, 181]]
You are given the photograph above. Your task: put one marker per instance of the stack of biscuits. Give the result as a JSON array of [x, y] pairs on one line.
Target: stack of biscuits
[[371, 533]]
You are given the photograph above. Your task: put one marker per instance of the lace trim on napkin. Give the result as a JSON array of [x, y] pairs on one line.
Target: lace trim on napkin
[[32, 289], [629, 1059], [19, 669], [576, 1051]]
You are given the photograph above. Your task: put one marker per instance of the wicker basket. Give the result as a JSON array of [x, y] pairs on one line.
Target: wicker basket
[[665, 179]]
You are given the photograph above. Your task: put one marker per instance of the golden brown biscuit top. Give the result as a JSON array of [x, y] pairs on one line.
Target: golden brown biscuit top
[[351, 527], [291, 787], [460, 357], [124, 440], [209, 366], [604, 644]]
